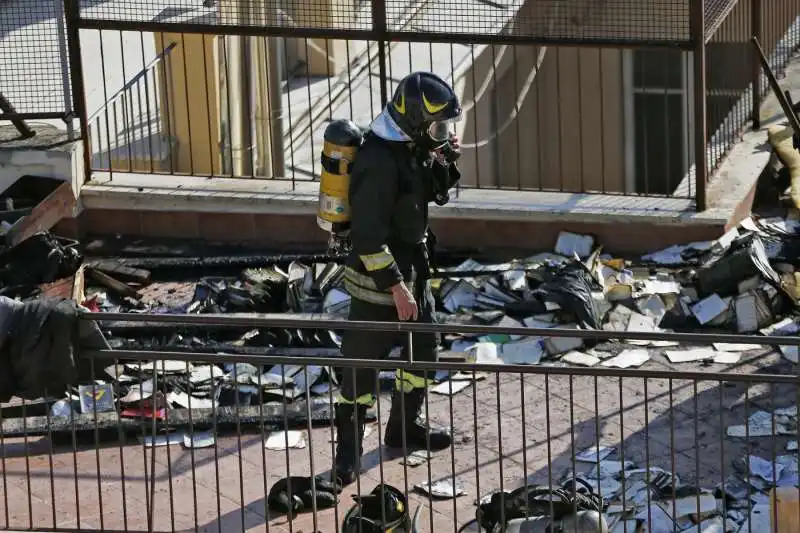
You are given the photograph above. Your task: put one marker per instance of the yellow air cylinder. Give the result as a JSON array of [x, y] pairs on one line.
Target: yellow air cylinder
[[342, 140]]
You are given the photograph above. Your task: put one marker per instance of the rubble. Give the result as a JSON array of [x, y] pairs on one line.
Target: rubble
[[652, 499], [744, 282]]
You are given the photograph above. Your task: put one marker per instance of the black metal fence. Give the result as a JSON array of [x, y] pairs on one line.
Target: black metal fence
[[622, 97], [35, 77], [667, 450]]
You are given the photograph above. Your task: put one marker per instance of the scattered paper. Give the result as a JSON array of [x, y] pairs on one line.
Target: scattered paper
[[450, 388], [96, 398], [199, 440], [162, 367], [138, 392], [727, 358], [787, 326], [689, 505], [416, 458], [524, 352], [764, 469], [160, 440], [594, 454], [282, 440], [580, 359], [184, 400], [608, 468], [760, 424], [627, 359], [735, 347], [571, 244], [709, 308], [693, 354], [486, 353], [443, 488], [790, 353]]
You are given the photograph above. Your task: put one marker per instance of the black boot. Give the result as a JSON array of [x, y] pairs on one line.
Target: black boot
[[349, 446], [418, 435]]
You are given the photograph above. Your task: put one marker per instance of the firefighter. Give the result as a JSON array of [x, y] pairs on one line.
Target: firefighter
[[406, 161]]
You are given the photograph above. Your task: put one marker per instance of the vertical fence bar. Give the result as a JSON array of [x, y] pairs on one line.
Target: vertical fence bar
[[756, 27], [72, 18], [379, 28], [697, 24], [64, 58]]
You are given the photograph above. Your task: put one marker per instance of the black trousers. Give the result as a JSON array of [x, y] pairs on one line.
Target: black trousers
[[357, 384]]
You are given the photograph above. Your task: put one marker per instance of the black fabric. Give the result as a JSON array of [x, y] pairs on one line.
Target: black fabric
[[294, 495], [41, 258], [349, 421], [39, 352], [378, 344], [570, 286], [745, 258], [405, 428], [537, 500], [390, 189], [384, 509]]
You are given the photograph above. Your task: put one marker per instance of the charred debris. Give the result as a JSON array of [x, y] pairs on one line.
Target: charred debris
[[745, 281]]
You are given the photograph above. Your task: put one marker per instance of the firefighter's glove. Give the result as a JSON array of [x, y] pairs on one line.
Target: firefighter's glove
[[293, 495]]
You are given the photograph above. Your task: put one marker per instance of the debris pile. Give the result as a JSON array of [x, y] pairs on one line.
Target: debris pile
[[743, 282], [656, 500]]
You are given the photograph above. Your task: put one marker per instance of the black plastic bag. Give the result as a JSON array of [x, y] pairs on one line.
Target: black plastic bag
[[570, 286], [745, 258]]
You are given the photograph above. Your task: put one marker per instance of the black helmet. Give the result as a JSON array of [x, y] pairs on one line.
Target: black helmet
[[423, 105], [383, 510]]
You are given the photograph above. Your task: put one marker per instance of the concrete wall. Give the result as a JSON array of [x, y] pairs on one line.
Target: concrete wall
[[567, 132], [569, 129], [62, 162]]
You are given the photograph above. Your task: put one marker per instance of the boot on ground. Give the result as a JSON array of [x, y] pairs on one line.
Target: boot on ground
[[406, 410], [349, 442]]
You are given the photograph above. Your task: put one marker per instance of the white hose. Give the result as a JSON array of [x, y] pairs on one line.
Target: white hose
[[526, 87]]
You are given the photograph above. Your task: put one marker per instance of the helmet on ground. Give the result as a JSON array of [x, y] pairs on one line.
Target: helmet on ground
[[424, 106], [383, 510]]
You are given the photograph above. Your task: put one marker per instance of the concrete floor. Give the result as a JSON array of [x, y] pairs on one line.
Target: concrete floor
[[508, 428]]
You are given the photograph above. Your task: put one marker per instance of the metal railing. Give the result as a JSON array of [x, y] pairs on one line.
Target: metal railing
[[619, 98], [123, 128], [211, 467], [35, 77]]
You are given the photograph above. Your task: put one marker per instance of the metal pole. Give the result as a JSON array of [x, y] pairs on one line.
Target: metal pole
[[757, 29], [22, 127], [275, 99], [73, 19], [62, 53], [379, 27], [697, 23]]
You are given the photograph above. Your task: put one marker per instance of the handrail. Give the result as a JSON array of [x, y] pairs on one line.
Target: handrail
[[283, 321], [120, 93]]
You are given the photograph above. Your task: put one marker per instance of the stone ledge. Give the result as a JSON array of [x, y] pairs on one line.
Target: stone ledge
[[222, 195]]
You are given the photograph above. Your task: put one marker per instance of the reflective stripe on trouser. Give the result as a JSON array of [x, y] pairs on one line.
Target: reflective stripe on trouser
[[363, 287], [368, 344], [377, 261], [405, 381], [365, 399]]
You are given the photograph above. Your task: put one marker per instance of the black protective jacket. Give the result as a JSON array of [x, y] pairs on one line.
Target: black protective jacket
[[390, 188]]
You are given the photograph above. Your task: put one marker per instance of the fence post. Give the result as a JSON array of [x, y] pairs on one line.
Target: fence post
[[379, 30], [72, 11], [697, 28], [757, 31]]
